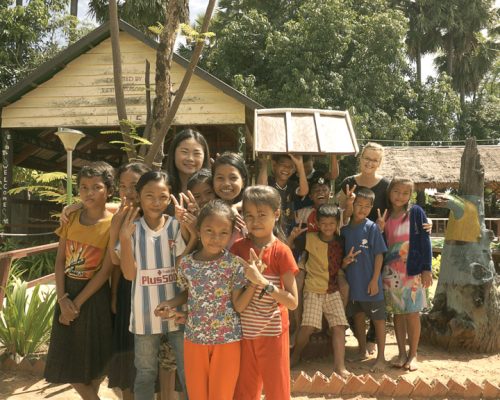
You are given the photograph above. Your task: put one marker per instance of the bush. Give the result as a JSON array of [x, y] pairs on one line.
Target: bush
[[25, 321]]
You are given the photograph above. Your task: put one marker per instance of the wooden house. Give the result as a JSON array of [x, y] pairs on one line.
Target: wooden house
[[75, 89]]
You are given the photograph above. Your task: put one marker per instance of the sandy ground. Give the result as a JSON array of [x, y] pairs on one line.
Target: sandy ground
[[434, 363]]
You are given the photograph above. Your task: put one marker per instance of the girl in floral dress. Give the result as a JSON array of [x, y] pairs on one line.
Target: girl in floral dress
[[407, 270], [214, 286]]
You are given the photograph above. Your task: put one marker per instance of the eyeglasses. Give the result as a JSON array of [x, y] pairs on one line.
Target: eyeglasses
[[371, 160]]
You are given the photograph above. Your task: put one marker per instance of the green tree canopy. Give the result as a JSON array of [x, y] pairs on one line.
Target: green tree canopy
[[325, 54], [32, 34]]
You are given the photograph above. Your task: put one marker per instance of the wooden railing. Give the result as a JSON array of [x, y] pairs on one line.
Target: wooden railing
[[439, 226], [7, 257]]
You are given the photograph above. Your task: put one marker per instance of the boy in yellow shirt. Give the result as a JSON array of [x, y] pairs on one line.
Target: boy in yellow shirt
[[325, 251]]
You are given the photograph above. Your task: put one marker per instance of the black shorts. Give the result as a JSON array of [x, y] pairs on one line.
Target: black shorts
[[374, 310]]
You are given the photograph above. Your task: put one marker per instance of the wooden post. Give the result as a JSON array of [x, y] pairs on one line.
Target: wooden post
[[6, 178], [466, 306], [4, 277]]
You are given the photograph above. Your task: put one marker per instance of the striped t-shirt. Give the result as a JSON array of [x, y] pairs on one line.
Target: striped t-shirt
[[155, 281], [264, 316]]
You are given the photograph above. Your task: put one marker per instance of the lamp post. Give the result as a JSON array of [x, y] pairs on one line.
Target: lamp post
[[69, 139]]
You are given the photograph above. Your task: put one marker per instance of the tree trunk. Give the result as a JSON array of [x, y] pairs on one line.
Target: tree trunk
[[121, 109], [418, 61], [164, 109], [73, 10], [466, 306]]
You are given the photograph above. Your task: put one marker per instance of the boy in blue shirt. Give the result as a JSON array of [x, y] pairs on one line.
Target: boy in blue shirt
[[365, 248]]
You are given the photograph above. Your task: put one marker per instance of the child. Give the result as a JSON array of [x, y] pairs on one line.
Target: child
[[148, 249], [365, 247], [284, 166], [214, 282], [187, 154], [201, 187], [407, 270], [230, 177], [265, 357], [325, 251], [121, 370], [80, 342]]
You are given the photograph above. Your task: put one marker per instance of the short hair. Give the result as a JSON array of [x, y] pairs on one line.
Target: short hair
[[318, 178], [373, 146], [216, 207], [98, 169], [365, 193], [266, 195], [278, 157], [204, 175], [328, 211]]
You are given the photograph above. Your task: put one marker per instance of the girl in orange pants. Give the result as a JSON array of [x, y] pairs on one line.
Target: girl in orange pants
[[213, 283]]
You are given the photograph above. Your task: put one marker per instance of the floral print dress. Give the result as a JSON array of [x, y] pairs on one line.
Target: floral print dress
[[403, 294], [211, 315]]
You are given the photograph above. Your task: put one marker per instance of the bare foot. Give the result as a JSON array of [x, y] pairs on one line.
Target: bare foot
[[411, 364], [358, 357], [400, 361], [371, 347], [379, 366], [342, 372]]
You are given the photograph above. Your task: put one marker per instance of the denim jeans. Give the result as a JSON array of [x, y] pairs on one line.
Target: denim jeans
[[146, 362]]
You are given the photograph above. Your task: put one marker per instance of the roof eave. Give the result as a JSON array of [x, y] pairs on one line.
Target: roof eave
[[48, 69]]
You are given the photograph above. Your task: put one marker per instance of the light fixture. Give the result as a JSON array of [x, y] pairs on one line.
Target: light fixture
[[69, 139]]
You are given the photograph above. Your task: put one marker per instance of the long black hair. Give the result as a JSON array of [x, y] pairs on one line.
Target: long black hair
[[171, 168]]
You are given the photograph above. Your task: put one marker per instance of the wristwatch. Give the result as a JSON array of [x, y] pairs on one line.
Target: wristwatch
[[270, 288]]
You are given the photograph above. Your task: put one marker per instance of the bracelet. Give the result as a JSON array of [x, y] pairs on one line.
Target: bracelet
[[62, 297]]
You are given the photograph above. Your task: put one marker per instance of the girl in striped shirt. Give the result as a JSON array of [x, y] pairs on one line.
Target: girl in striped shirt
[[148, 250], [271, 270]]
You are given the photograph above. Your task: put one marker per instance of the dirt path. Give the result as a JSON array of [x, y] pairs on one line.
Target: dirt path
[[434, 363]]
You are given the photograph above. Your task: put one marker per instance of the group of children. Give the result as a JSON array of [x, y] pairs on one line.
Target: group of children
[[204, 270]]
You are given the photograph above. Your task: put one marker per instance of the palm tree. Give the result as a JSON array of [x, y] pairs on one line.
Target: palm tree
[[466, 54], [140, 13], [73, 9]]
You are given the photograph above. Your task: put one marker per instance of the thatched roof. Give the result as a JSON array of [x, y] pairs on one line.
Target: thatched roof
[[438, 167]]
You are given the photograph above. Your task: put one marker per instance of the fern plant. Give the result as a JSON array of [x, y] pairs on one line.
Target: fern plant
[[48, 186], [133, 135], [25, 321]]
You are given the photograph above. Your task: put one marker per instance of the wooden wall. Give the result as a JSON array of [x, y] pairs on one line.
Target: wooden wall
[[82, 94]]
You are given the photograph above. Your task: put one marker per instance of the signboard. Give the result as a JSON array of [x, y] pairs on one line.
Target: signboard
[[6, 176], [304, 131]]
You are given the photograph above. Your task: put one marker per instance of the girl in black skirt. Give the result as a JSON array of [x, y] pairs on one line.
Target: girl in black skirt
[[80, 342]]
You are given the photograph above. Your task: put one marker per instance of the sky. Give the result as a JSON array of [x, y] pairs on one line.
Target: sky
[[197, 7]]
